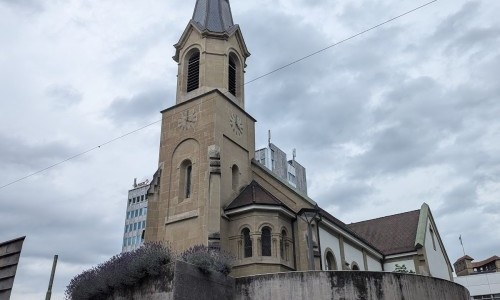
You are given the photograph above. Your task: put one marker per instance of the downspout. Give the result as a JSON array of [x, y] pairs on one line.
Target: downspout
[[293, 243], [319, 243]]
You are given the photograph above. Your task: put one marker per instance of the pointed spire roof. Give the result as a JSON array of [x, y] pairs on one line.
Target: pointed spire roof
[[213, 15]]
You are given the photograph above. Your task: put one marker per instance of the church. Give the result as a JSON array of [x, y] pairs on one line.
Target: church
[[210, 189]]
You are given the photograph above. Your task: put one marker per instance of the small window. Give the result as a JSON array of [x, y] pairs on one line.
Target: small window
[[185, 180], [145, 210], [266, 241], [142, 198], [432, 236], [355, 266], [136, 212], [232, 76], [189, 169], [193, 72], [247, 243], [140, 212], [129, 201], [143, 224], [135, 226], [235, 177], [283, 245]]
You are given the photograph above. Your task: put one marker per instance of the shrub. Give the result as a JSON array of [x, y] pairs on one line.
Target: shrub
[[120, 271], [403, 269], [207, 259]]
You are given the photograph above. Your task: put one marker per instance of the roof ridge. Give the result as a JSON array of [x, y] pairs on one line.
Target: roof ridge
[[383, 217]]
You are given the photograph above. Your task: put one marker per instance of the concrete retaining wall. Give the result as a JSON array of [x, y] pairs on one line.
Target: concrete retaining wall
[[347, 285], [188, 283]]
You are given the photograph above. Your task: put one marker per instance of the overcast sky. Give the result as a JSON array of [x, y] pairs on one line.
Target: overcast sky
[[405, 114]]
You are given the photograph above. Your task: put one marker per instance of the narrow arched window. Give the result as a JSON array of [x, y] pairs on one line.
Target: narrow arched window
[[266, 241], [247, 243], [185, 180], [331, 264], [355, 266], [187, 189], [193, 72], [235, 177], [232, 76], [283, 244]]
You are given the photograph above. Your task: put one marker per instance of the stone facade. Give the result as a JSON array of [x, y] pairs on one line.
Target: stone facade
[[210, 190]]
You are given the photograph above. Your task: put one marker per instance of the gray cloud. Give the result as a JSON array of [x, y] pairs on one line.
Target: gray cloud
[[138, 108], [17, 152], [64, 95], [346, 195], [460, 196], [28, 6]]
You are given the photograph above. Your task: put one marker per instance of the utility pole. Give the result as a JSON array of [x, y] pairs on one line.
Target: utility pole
[[49, 290]]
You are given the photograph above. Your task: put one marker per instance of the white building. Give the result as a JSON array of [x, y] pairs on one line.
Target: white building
[[481, 278], [135, 218]]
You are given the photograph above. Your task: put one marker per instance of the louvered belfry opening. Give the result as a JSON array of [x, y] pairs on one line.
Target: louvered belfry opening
[[193, 76], [232, 76]]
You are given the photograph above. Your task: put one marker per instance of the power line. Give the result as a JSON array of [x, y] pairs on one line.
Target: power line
[[338, 43], [248, 82], [78, 155]]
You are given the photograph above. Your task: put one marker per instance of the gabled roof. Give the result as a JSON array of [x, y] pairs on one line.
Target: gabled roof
[[254, 194], [485, 262], [213, 15], [466, 257], [392, 234]]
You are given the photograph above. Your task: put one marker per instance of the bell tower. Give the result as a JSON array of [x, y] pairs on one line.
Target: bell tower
[[207, 139], [211, 53]]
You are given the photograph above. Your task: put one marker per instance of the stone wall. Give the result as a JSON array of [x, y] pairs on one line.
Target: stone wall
[[189, 283], [347, 285]]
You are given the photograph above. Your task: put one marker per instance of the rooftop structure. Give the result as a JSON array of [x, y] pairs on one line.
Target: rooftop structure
[[290, 171]]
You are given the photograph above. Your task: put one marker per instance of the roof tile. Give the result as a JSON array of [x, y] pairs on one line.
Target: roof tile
[[392, 234]]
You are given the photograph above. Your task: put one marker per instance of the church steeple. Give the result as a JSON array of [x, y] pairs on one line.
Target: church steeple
[[211, 54], [213, 15]]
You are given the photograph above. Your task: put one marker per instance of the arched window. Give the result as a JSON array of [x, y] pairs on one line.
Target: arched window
[[193, 72], [331, 264], [232, 75], [236, 177], [266, 241], [354, 266], [247, 243], [283, 245], [185, 180]]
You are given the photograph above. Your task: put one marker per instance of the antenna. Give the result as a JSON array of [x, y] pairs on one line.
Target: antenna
[[294, 153], [135, 182], [269, 137], [461, 243]]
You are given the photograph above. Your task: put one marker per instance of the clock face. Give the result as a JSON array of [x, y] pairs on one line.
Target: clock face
[[188, 119], [237, 124]]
